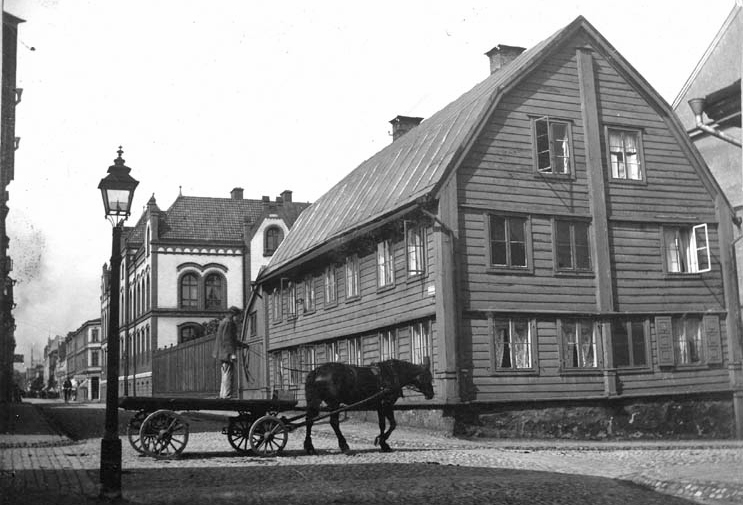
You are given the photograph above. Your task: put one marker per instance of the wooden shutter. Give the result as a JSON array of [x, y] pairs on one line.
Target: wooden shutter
[[534, 350], [712, 337], [664, 340]]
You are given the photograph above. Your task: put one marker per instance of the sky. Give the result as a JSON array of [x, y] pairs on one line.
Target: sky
[[267, 96]]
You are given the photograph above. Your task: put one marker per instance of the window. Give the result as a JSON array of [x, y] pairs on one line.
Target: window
[[253, 324], [309, 294], [214, 289], [388, 345], [94, 335], [147, 242], [552, 146], [385, 264], [273, 237], [513, 344], [355, 354], [331, 290], [508, 241], [687, 249], [291, 300], [309, 358], [579, 343], [628, 343], [624, 154], [295, 372], [278, 370], [572, 250], [420, 342], [415, 247], [332, 352], [687, 340], [95, 358], [189, 332], [352, 276], [276, 305], [189, 291]]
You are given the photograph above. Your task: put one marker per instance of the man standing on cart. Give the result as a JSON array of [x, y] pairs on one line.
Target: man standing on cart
[[225, 350]]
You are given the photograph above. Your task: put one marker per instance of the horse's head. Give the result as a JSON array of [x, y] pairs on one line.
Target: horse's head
[[423, 381]]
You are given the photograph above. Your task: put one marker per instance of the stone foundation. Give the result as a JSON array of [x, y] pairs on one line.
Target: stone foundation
[[667, 418]]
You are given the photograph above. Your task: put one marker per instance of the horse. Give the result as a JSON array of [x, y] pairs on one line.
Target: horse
[[381, 383]]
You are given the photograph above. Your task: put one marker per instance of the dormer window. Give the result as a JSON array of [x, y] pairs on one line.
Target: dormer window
[[273, 237]]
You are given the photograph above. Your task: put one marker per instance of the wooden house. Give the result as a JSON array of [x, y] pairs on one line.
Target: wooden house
[[550, 238]]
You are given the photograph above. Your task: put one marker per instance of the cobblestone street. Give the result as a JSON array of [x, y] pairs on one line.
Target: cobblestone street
[[426, 468]]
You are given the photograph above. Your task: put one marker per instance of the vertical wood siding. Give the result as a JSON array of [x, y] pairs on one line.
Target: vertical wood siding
[[186, 369]]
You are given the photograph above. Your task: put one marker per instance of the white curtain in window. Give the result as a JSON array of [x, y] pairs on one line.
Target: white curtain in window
[[630, 150], [618, 170], [520, 344]]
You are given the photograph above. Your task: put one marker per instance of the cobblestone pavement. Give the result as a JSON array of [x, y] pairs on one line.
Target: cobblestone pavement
[[425, 468]]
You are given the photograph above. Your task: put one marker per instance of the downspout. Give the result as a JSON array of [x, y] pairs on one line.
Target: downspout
[[697, 107]]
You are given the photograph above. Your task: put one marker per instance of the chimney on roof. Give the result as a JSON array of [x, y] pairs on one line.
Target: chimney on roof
[[236, 193], [501, 55], [286, 195], [279, 200], [403, 124]]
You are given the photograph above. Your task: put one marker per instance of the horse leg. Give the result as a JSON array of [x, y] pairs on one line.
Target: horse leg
[[335, 423], [382, 426], [313, 408], [389, 413]]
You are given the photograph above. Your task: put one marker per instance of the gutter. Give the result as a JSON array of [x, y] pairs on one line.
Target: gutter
[[697, 107]]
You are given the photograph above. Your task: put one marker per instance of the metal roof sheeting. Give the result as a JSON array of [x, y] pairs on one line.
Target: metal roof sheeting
[[405, 170]]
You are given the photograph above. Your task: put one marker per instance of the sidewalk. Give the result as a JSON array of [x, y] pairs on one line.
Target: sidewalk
[[38, 465]]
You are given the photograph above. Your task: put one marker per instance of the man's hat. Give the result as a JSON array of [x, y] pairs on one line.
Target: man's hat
[[235, 310]]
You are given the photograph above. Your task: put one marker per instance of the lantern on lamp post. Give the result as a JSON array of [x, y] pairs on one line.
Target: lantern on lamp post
[[117, 190]]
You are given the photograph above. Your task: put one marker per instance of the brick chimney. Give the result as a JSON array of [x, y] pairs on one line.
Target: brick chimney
[[501, 55], [403, 124], [286, 195], [236, 193]]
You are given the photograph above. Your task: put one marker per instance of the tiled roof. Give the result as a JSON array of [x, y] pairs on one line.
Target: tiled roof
[[409, 168], [217, 219]]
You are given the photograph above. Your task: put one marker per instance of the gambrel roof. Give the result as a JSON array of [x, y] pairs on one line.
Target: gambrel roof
[[411, 169]]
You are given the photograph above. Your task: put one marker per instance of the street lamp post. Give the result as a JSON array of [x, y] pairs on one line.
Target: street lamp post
[[117, 190]]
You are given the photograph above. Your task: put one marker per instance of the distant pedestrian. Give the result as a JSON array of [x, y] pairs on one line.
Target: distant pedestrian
[[67, 389], [225, 350]]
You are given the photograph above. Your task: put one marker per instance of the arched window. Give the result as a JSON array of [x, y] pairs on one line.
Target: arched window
[[189, 291], [147, 292], [274, 236], [189, 331], [147, 243], [214, 291]]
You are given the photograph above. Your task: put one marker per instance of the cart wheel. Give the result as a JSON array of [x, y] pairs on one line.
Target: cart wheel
[[164, 434], [268, 436], [132, 430], [238, 433]]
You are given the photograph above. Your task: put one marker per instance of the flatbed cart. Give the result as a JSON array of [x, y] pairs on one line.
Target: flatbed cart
[[158, 430]]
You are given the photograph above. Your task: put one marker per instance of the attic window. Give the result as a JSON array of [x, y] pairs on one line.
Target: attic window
[[552, 146], [273, 238]]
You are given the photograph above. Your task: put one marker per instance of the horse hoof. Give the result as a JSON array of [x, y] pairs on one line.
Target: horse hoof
[[345, 449], [386, 448], [376, 441]]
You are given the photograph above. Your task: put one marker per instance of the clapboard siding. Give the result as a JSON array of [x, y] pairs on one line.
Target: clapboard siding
[[639, 279], [540, 290], [408, 299], [550, 381]]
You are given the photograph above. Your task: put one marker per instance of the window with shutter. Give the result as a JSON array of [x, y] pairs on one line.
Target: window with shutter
[[664, 341], [714, 342]]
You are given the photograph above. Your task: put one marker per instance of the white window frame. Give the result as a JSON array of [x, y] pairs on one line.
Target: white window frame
[[331, 286], [675, 247], [415, 249], [574, 341], [352, 277], [551, 141], [687, 345], [620, 170], [333, 352], [519, 354], [309, 294], [291, 300], [355, 351], [385, 264], [387, 344], [421, 345]]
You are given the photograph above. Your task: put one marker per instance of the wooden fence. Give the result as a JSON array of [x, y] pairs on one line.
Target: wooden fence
[[186, 370]]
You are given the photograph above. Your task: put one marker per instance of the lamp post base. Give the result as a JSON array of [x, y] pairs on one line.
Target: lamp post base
[[110, 469]]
